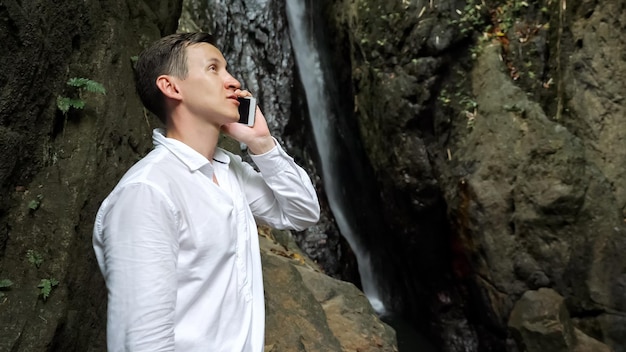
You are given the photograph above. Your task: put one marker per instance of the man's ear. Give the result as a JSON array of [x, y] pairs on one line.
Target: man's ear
[[168, 86]]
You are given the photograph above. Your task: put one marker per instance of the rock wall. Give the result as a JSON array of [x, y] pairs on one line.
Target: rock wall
[[56, 168], [494, 131], [398, 53]]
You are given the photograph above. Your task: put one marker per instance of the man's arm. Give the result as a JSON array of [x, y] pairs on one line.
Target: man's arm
[[282, 195], [136, 245]]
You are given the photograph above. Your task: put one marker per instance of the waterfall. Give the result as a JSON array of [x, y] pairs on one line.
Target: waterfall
[[326, 139]]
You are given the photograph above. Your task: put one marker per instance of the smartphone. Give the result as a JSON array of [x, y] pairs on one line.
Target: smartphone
[[247, 110]]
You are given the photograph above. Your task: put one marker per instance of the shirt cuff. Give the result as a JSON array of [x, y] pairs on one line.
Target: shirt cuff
[[273, 161]]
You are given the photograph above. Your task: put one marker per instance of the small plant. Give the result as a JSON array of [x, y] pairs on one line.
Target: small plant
[[468, 103], [5, 284], [471, 110], [34, 258], [81, 84], [35, 203], [471, 17], [133, 61], [511, 10], [46, 286], [444, 98]]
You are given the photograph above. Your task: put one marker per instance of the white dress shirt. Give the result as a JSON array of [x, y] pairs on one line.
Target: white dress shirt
[[180, 253]]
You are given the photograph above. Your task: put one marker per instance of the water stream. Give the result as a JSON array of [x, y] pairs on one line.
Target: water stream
[[323, 121], [343, 170]]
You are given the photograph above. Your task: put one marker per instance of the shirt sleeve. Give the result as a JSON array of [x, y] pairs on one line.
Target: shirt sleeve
[[136, 245], [281, 195]]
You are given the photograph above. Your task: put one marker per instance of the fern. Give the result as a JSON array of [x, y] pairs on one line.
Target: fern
[[46, 286], [33, 204], [64, 104], [81, 84], [86, 84], [34, 257]]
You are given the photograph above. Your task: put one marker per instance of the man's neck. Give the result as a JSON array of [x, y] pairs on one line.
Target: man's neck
[[201, 137]]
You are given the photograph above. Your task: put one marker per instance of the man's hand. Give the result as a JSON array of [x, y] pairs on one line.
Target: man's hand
[[258, 137]]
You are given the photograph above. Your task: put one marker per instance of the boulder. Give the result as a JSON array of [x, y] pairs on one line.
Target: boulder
[[541, 322], [310, 311]]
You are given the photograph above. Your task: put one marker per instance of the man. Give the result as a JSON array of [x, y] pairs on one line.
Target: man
[[176, 239]]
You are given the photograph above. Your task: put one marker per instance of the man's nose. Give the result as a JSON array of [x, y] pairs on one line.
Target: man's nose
[[231, 82]]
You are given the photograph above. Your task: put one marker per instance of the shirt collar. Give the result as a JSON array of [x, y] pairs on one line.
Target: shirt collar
[[191, 158]]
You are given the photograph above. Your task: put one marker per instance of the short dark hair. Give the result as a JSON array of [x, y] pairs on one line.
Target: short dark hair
[[166, 56]]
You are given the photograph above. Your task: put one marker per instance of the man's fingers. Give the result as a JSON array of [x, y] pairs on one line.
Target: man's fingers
[[243, 93]]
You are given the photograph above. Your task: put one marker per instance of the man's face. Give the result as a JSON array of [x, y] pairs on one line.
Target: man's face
[[209, 90]]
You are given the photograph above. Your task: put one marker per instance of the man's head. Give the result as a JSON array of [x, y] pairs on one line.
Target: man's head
[[165, 57]]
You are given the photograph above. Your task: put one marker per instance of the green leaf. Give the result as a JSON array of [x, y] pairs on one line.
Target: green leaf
[[77, 103], [46, 286], [34, 257], [5, 283], [87, 84], [77, 82], [34, 204], [63, 103]]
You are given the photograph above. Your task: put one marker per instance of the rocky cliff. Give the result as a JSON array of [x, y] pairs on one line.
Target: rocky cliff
[[60, 159], [494, 129], [57, 167], [490, 129]]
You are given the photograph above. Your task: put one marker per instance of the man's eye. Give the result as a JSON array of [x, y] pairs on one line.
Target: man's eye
[[212, 68]]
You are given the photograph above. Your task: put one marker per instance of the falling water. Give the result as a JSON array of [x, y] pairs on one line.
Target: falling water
[[326, 137]]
